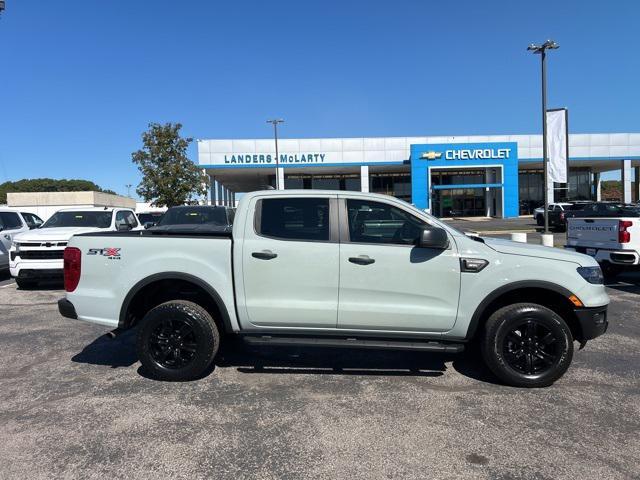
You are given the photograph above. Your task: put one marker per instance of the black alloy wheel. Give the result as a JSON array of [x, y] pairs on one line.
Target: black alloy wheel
[[173, 343], [531, 348], [177, 341], [527, 345]]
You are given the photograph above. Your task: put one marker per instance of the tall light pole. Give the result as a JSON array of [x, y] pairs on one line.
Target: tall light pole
[[541, 50], [275, 123], [128, 185]]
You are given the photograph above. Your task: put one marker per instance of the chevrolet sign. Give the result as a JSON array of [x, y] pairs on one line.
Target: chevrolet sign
[[431, 155], [481, 153]]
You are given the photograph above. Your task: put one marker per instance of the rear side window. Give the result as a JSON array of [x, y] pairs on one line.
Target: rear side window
[[294, 218], [10, 221], [33, 221]]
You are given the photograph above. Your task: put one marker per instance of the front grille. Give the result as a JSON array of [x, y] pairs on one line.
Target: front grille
[[41, 254], [43, 244]]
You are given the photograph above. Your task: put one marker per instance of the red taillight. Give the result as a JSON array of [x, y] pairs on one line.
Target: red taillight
[[72, 260], [561, 215], [624, 235]]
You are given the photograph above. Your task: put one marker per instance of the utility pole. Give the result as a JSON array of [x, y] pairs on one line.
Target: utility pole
[[275, 123], [541, 50]]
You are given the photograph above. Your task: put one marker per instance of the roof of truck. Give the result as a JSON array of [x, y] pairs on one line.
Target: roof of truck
[[93, 209]]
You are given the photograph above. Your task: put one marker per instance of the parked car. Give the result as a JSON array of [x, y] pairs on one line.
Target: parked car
[[13, 222], [337, 269], [150, 219], [610, 233], [196, 218], [558, 214], [37, 254]]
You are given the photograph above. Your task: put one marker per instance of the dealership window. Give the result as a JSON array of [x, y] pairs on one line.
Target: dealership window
[[350, 182], [530, 189], [294, 218], [396, 184]]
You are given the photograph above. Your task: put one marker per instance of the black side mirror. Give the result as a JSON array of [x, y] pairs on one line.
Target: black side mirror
[[433, 237], [124, 227], [149, 224]]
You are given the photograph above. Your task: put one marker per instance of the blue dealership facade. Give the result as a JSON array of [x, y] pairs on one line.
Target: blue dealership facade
[[496, 176]]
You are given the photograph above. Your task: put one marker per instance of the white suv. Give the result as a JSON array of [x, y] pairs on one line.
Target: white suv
[[13, 222], [37, 255]]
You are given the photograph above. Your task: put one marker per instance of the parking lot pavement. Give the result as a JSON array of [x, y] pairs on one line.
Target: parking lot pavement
[[76, 405]]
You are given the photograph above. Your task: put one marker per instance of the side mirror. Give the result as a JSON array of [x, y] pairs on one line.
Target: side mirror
[[149, 224], [433, 237], [124, 227]]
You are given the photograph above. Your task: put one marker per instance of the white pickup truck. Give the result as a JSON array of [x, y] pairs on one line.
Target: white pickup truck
[[613, 239], [336, 269], [36, 255]]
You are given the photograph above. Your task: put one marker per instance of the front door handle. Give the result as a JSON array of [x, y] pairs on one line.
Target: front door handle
[[264, 255], [362, 260]]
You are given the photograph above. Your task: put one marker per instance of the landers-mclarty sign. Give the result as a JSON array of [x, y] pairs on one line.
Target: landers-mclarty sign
[[284, 158]]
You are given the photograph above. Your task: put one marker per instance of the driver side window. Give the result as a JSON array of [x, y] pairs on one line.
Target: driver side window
[[376, 222]]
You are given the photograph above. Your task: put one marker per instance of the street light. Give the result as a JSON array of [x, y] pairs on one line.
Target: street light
[[275, 123], [128, 185], [541, 50]]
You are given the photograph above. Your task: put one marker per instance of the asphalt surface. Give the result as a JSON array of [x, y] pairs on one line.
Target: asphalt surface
[[76, 405]]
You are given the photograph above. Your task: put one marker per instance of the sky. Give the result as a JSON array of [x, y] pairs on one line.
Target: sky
[[80, 80]]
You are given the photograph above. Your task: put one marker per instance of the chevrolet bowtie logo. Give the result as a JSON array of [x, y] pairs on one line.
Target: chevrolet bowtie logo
[[431, 155]]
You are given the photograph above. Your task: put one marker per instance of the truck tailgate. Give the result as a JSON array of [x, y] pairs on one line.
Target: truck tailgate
[[593, 232]]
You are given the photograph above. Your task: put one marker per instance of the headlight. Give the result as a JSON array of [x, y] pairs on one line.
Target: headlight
[[591, 275]]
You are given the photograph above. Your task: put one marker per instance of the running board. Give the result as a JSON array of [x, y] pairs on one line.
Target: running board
[[424, 346]]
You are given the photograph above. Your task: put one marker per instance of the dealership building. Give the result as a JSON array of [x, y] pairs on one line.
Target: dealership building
[[496, 175]]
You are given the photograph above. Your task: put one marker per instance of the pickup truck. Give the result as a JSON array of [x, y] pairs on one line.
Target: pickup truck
[[336, 269], [612, 238], [36, 255]]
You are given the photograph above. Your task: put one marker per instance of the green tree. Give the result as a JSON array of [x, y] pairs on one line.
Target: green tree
[[169, 178], [48, 185]]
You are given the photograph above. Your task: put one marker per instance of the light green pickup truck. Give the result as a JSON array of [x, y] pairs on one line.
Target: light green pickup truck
[[337, 269]]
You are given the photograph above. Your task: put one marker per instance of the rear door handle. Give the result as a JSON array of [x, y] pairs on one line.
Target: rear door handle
[[264, 255], [362, 260]]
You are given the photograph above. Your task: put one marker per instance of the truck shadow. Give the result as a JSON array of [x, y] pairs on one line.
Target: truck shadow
[[628, 282], [120, 352]]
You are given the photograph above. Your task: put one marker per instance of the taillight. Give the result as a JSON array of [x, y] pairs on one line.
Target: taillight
[[72, 260], [561, 215], [624, 235]]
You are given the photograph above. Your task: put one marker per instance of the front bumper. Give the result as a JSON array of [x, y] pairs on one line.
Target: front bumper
[[66, 309], [593, 321]]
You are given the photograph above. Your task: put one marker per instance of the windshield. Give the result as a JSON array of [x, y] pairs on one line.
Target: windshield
[[95, 219], [194, 216]]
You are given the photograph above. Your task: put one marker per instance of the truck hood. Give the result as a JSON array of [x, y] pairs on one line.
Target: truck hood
[[58, 234], [526, 249]]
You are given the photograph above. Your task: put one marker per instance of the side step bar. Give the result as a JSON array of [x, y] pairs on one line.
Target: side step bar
[[425, 346]]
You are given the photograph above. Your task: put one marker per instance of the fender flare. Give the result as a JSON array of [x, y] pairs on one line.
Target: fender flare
[[510, 287], [226, 321]]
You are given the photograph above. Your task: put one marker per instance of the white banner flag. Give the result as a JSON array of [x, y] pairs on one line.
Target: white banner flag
[[557, 145]]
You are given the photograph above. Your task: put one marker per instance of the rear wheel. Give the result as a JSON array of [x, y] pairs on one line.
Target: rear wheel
[[25, 284], [540, 220], [177, 341], [527, 345]]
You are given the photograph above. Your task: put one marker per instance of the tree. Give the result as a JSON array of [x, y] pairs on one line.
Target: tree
[[48, 185], [169, 178]]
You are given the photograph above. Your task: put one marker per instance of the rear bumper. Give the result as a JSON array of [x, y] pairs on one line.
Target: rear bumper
[[593, 321], [617, 257], [38, 274], [66, 309]]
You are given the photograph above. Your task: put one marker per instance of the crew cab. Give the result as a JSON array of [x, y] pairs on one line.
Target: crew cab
[[610, 233], [336, 269], [36, 255]]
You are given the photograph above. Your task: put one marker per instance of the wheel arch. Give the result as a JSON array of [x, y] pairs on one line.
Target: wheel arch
[[547, 294], [149, 292]]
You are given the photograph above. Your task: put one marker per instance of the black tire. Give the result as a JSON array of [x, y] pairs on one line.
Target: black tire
[[25, 284], [540, 220], [177, 341], [610, 270], [527, 345]]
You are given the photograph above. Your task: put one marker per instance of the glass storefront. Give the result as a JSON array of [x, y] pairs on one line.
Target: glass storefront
[[459, 202], [320, 182], [530, 184], [397, 184]]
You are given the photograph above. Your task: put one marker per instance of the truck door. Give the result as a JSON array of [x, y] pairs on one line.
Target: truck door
[[290, 262], [387, 283]]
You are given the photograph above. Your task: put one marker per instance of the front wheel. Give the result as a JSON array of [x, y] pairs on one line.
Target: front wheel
[[527, 345], [177, 341]]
